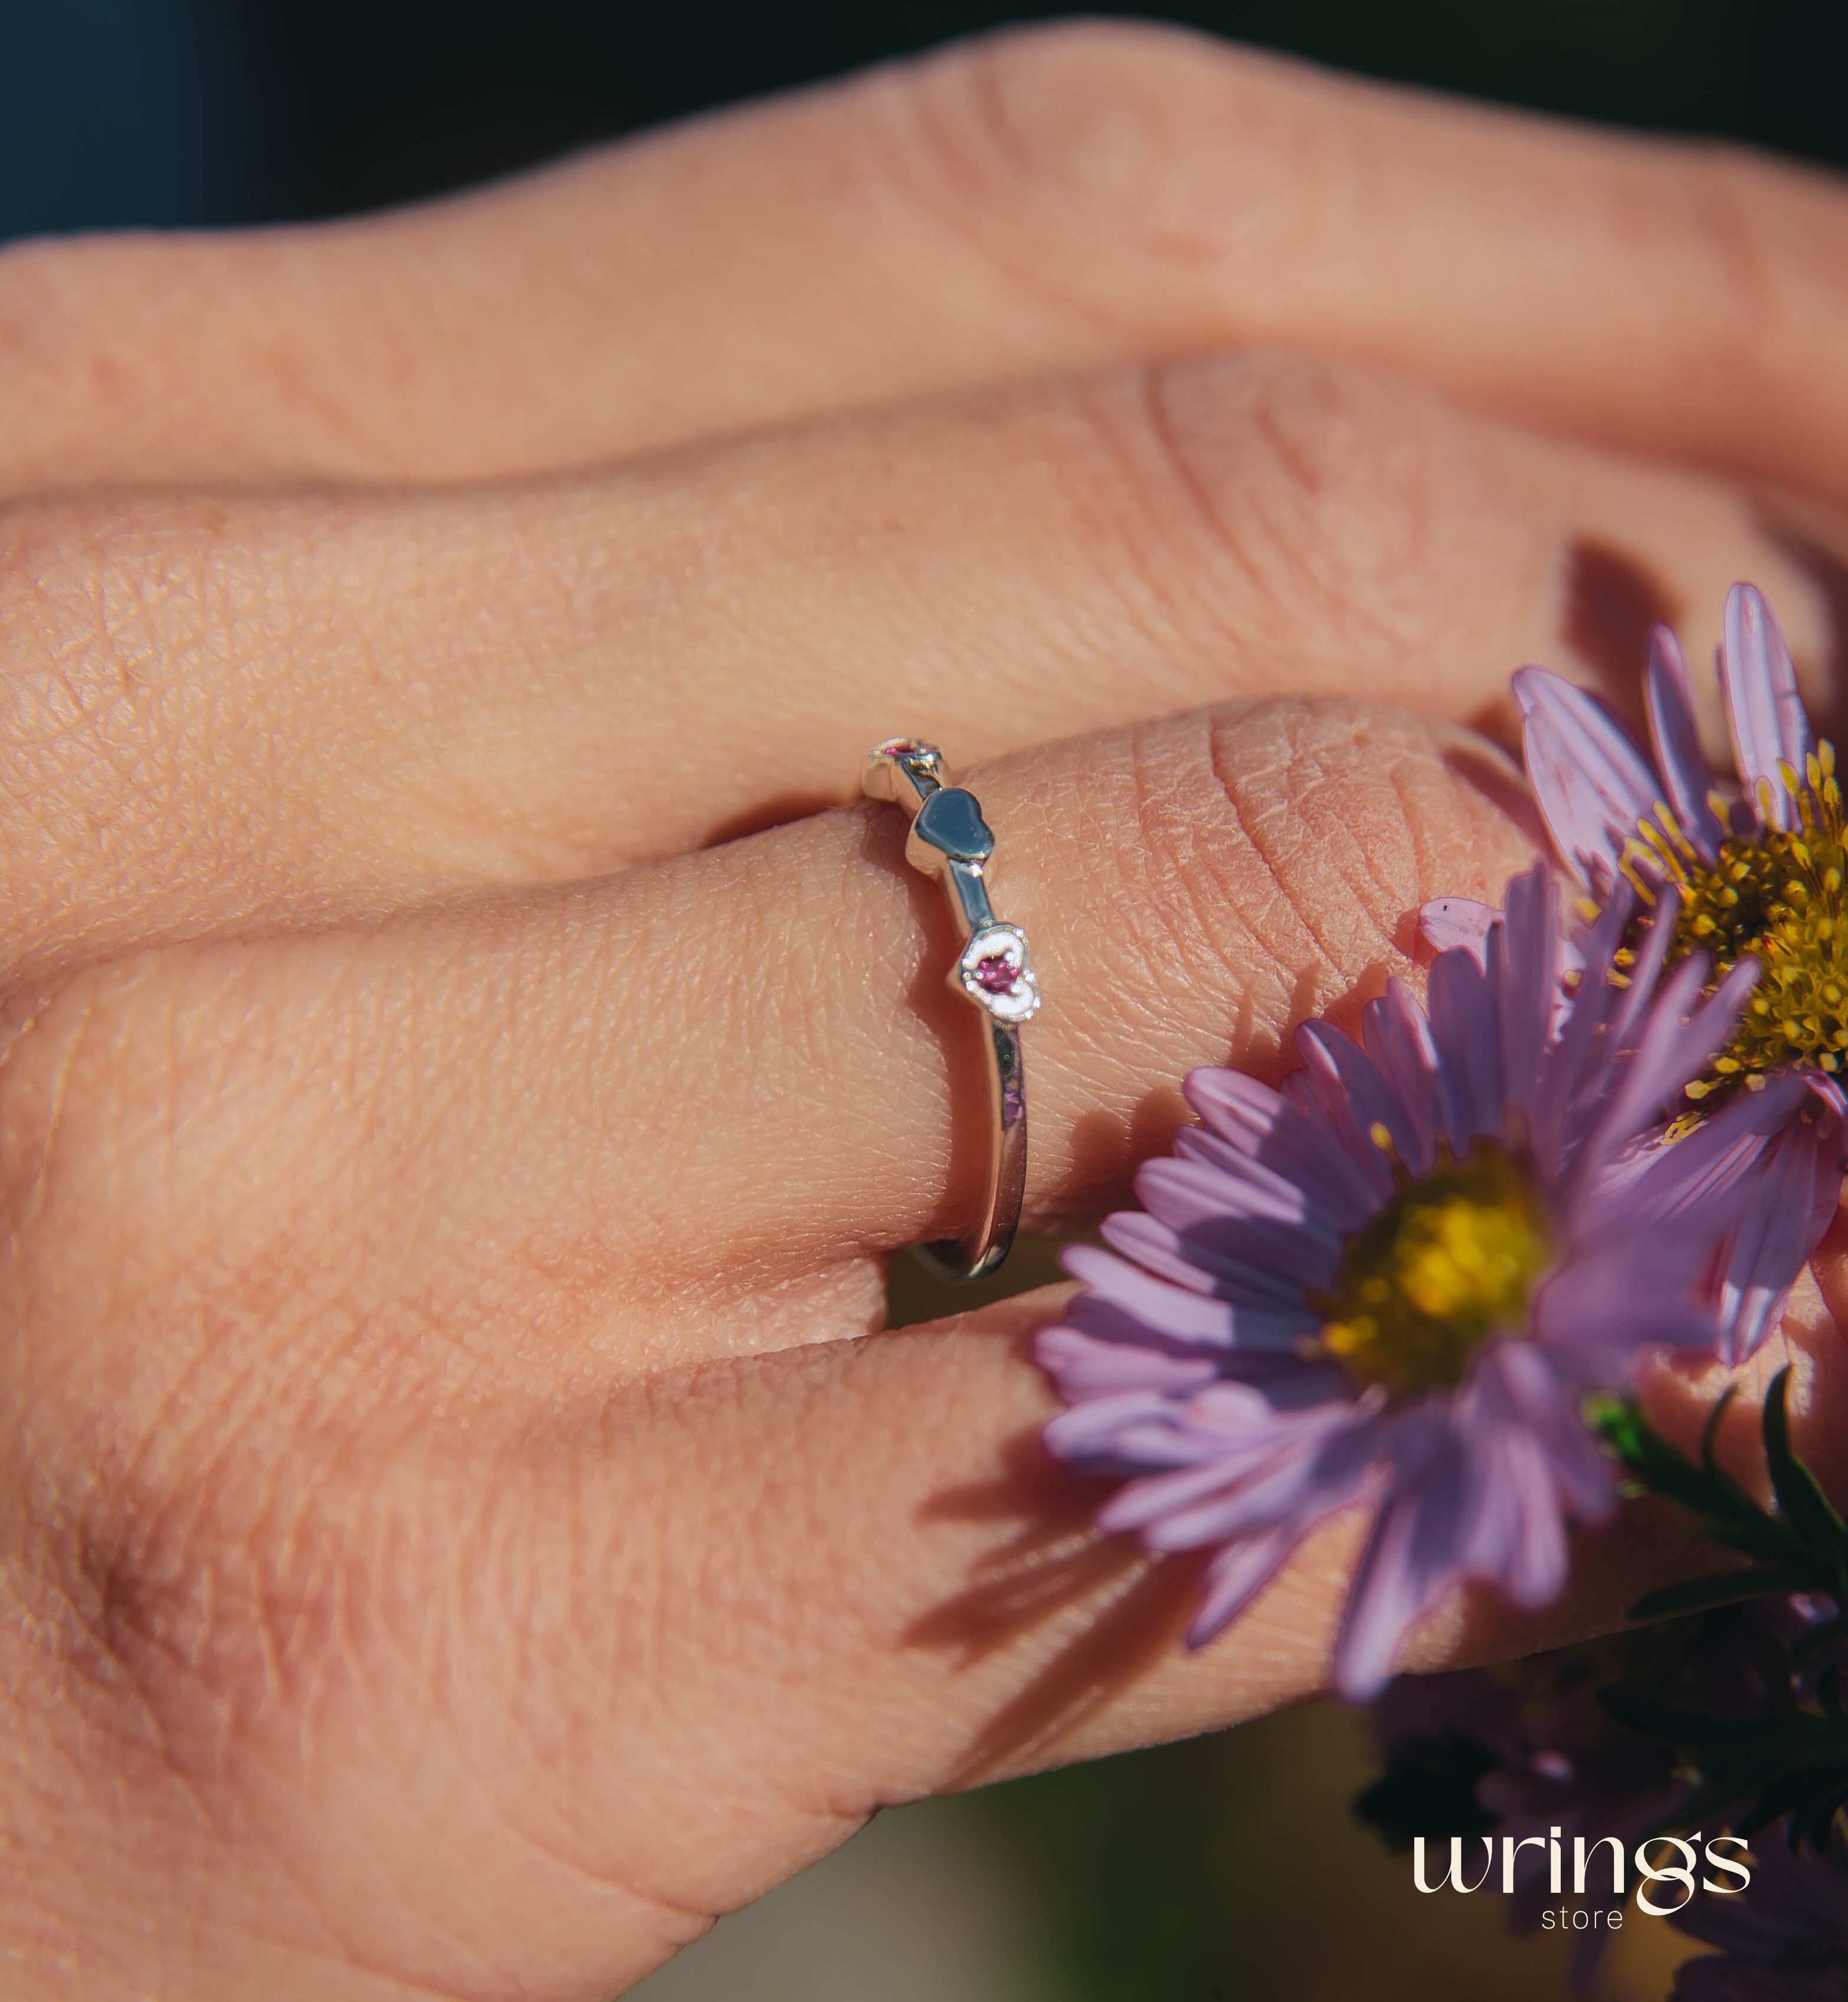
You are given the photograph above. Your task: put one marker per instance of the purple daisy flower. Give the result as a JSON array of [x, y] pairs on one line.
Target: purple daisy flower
[[1758, 871], [1784, 1939], [1389, 1285]]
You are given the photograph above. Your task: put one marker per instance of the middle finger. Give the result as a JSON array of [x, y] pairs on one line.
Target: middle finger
[[220, 711]]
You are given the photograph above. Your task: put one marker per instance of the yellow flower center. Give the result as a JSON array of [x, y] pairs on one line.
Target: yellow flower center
[[1779, 899], [1452, 1259]]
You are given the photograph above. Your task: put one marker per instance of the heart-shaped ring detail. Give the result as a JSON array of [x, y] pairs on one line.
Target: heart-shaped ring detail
[[948, 824], [994, 970], [949, 839]]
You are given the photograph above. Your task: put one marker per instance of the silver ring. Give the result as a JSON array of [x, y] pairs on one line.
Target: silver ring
[[950, 840]]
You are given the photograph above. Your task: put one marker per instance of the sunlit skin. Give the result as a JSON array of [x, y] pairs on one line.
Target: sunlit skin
[[466, 1062]]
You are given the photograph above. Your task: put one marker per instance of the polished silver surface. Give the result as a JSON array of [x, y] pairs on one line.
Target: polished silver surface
[[949, 839]]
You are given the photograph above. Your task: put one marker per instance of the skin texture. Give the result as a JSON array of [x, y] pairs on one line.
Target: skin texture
[[463, 1063]]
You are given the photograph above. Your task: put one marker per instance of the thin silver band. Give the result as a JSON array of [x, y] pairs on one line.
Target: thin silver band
[[950, 840]]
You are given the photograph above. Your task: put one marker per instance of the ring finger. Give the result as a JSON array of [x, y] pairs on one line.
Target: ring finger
[[619, 1127]]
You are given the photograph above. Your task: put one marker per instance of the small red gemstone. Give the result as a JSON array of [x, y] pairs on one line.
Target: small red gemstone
[[997, 974]]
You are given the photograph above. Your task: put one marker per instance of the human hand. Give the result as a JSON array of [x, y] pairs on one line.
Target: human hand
[[457, 1534]]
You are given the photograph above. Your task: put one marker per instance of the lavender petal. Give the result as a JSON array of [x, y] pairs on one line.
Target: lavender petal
[[1280, 1137], [1632, 1292], [1235, 1577], [1524, 967], [1397, 1038], [1671, 1051], [1412, 1557], [1770, 728], [1355, 1084], [1788, 1204], [1456, 924], [1085, 1366], [1687, 777], [1203, 1263], [1593, 784], [1466, 1027]]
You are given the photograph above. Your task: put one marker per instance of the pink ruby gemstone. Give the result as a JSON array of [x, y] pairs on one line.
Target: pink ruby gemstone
[[997, 974]]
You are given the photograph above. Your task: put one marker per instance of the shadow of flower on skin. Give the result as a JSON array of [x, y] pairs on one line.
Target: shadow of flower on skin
[[1115, 1616], [1136, 1606]]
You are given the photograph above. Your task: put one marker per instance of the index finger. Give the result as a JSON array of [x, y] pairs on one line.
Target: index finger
[[1033, 203]]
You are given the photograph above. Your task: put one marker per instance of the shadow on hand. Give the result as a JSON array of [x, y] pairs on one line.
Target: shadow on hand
[[1127, 1611]]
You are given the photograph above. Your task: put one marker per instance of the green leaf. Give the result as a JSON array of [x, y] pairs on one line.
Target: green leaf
[[1752, 1770], [1720, 1588], [1709, 1432], [1800, 1545], [1788, 1760], [1800, 1499], [1664, 1470], [1688, 1728]]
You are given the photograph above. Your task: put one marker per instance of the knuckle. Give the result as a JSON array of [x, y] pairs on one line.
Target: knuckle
[[1270, 857], [1030, 140], [181, 1585], [187, 1506], [1729, 196], [1253, 780], [1321, 480], [1281, 497], [1043, 97], [184, 1616]]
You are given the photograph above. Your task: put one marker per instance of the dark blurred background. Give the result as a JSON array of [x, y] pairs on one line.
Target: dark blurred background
[[1224, 1869], [225, 111]]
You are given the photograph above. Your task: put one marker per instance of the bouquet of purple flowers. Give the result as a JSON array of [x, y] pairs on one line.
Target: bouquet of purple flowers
[[1421, 1279]]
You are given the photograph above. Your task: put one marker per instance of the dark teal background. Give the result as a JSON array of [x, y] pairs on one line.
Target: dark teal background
[[184, 111]]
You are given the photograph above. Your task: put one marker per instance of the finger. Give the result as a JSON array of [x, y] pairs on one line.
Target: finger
[[975, 1628], [324, 705], [548, 1688], [613, 1129], [1051, 200]]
